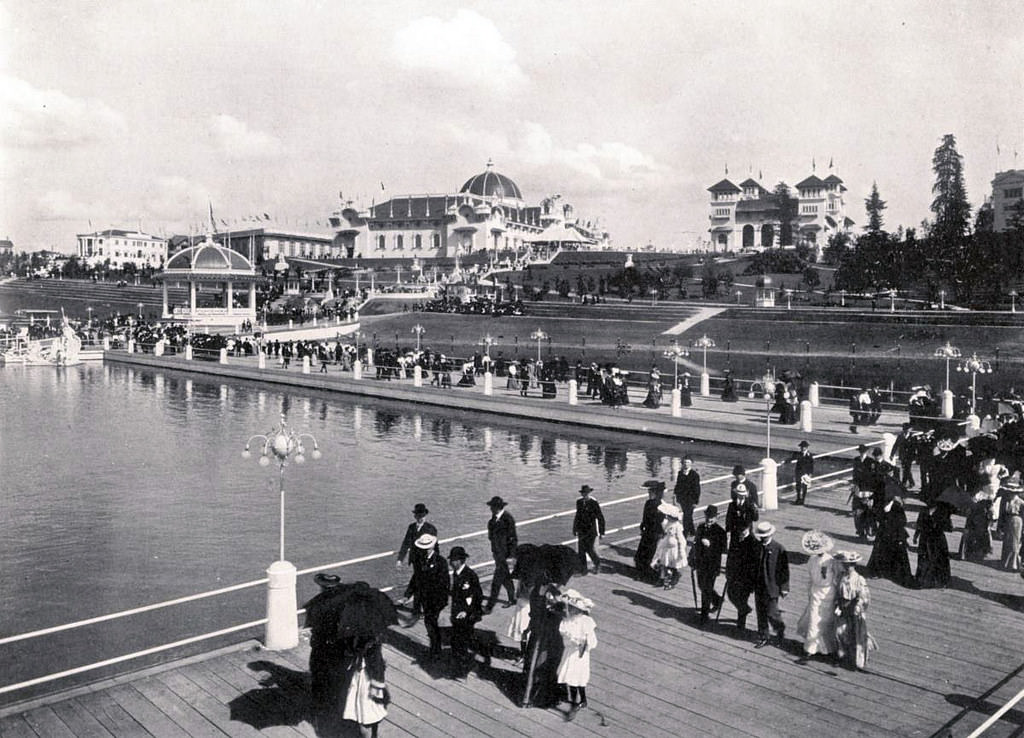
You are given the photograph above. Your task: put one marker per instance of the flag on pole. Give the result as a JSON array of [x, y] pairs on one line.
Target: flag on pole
[[213, 223], [382, 187], [727, 169], [830, 162], [813, 165]]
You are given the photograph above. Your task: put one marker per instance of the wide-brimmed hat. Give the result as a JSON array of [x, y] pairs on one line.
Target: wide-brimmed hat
[[575, 599], [711, 511], [653, 484], [496, 502], [816, 542], [861, 448], [847, 557], [670, 510], [804, 444], [586, 488], [764, 529], [741, 489], [458, 552], [326, 581], [426, 541], [420, 509], [738, 470]]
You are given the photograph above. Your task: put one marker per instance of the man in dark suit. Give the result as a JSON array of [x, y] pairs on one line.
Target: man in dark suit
[[415, 554], [741, 573], [803, 470], [708, 546], [772, 584], [739, 474], [741, 514], [905, 449], [587, 526], [432, 587], [687, 493], [501, 530], [650, 530], [466, 611]]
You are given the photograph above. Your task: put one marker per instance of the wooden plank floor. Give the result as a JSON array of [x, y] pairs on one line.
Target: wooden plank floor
[[947, 659]]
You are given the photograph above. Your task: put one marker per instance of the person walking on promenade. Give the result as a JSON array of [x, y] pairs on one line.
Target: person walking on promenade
[[817, 625], [741, 570], [501, 530], [932, 548], [889, 557], [578, 640], [1012, 519], [852, 599], [741, 514], [687, 493], [803, 471], [588, 526], [772, 584], [324, 647], [654, 391], [685, 393], [905, 449], [729, 388], [650, 530], [432, 587], [976, 541], [708, 546], [366, 694], [670, 555], [739, 474], [466, 611], [416, 555]]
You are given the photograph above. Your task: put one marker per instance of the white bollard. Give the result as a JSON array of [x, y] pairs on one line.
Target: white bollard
[[131, 345], [106, 343], [417, 376], [947, 404], [814, 395], [888, 442], [705, 384], [188, 352], [223, 356], [282, 605], [488, 384], [261, 362], [806, 416], [305, 365], [158, 348], [314, 320], [357, 369], [973, 425], [574, 392], [677, 403], [369, 358], [291, 324], [770, 485], [355, 316]]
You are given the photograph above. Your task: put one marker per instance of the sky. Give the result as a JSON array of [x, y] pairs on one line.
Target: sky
[[146, 113]]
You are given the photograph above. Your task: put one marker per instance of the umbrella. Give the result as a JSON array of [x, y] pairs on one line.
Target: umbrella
[[350, 609], [545, 562], [957, 498]]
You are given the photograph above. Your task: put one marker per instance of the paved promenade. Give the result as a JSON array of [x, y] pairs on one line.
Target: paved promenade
[[946, 660]]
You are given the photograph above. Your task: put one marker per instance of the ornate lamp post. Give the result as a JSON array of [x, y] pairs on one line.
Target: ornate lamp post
[[419, 330], [947, 352], [842, 298], [140, 310], [942, 299], [892, 301], [89, 310], [281, 443], [676, 353], [539, 335], [768, 382], [488, 341], [975, 366], [789, 299], [705, 380]]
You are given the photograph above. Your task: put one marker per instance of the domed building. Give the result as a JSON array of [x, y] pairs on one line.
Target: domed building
[[487, 215], [211, 271]]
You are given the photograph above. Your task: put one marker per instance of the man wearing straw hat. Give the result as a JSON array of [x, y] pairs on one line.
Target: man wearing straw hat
[[771, 585], [432, 584]]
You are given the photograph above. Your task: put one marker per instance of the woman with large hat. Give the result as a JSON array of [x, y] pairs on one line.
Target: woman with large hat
[[933, 522], [817, 625], [852, 599], [670, 555]]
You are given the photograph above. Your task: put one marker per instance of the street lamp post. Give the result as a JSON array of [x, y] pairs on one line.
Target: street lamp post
[[739, 295], [789, 299], [538, 335], [947, 352], [488, 341], [975, 366], [140, 310], [942, 299], [768, 382], [704, 343], [89, 310], [419, 330], [281, 443], [892, 301], [676, 353]]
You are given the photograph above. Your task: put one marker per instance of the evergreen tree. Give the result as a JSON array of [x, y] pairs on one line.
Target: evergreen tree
[[787, 213], [874, 206], [952, 211], [984, 221]]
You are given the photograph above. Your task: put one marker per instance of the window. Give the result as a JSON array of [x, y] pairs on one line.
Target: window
[[380, 243], [722, 212], [435, 240], [808, 209], [1014, 192], [417, 242], [399, 242]]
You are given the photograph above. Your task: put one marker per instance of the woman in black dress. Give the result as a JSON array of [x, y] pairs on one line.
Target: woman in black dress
[[933, 551], [889, 556]]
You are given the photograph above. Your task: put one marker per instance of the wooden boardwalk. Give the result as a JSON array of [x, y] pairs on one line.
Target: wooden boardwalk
[[946, 660]]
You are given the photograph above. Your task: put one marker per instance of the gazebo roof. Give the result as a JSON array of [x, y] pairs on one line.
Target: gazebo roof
[[208, 260]]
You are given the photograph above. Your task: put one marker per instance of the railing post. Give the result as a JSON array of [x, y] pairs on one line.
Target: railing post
[[291, 324], [888, 442], [305, 364], [705, 384], [947, 404], [677, 403], [357, 369], [282, 605], [131, 345], [814, 395], [770, 485], [223, 356], [261, 362], [188, 352], [417, 376], [488, 384], [806, 416], [106, 343], [574, 398]]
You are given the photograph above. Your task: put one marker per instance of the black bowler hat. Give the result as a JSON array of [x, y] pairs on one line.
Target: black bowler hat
[[459, 553], [738, 470], [420, 509], [804, 444], [711, 511], [586, 488], [326, 581], [496, 502]]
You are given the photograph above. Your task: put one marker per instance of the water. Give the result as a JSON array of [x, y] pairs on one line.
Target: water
[[123, 487]]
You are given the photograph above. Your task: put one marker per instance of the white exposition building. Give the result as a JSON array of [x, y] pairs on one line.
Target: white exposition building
[[122, 247]]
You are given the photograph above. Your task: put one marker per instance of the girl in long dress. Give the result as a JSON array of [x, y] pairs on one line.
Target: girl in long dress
[[1012, 522], [366, 696], [817, 625], [578, 640], [932, 549], [852, 599], [670, 555]]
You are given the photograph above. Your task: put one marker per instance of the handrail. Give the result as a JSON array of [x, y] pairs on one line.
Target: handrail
[[997, 714]]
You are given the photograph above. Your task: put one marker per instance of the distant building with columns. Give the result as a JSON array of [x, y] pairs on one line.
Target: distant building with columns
[[122, 247], [748, 216], [487, 214], [1007, 196]]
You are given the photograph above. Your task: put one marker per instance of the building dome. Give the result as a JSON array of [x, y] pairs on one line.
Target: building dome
[[209, 257], [491, 184]]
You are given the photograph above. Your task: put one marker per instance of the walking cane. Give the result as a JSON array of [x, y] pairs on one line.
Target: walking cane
[[693, 583]]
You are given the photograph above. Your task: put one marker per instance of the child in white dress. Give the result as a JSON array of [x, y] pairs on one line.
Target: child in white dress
[[578, 640]]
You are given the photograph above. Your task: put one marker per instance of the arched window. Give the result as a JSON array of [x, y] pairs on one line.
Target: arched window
[[767, 235], [435, 241], [748, 236], [399, 242], [380, 243], [417, 242]]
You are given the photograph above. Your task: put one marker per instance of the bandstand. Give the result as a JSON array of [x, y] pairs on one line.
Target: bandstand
[[212, 273]]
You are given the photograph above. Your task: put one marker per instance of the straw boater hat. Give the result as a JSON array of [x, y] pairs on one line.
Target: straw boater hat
[[816, 542], [764, 529], [326, 581], [670, 510], [426, 541], [575, 599], [741, 489], [847, 557]]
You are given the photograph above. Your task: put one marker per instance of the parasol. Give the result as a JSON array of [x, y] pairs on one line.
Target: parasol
[[957, 498], [350, 609], [545, 563]]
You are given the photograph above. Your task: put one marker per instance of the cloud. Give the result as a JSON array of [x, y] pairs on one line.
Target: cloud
[[34, 118], [234, 138], [465, 51]]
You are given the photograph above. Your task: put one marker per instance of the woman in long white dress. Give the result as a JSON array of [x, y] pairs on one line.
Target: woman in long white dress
[[817, 626], [578, 640], [670, 555]]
